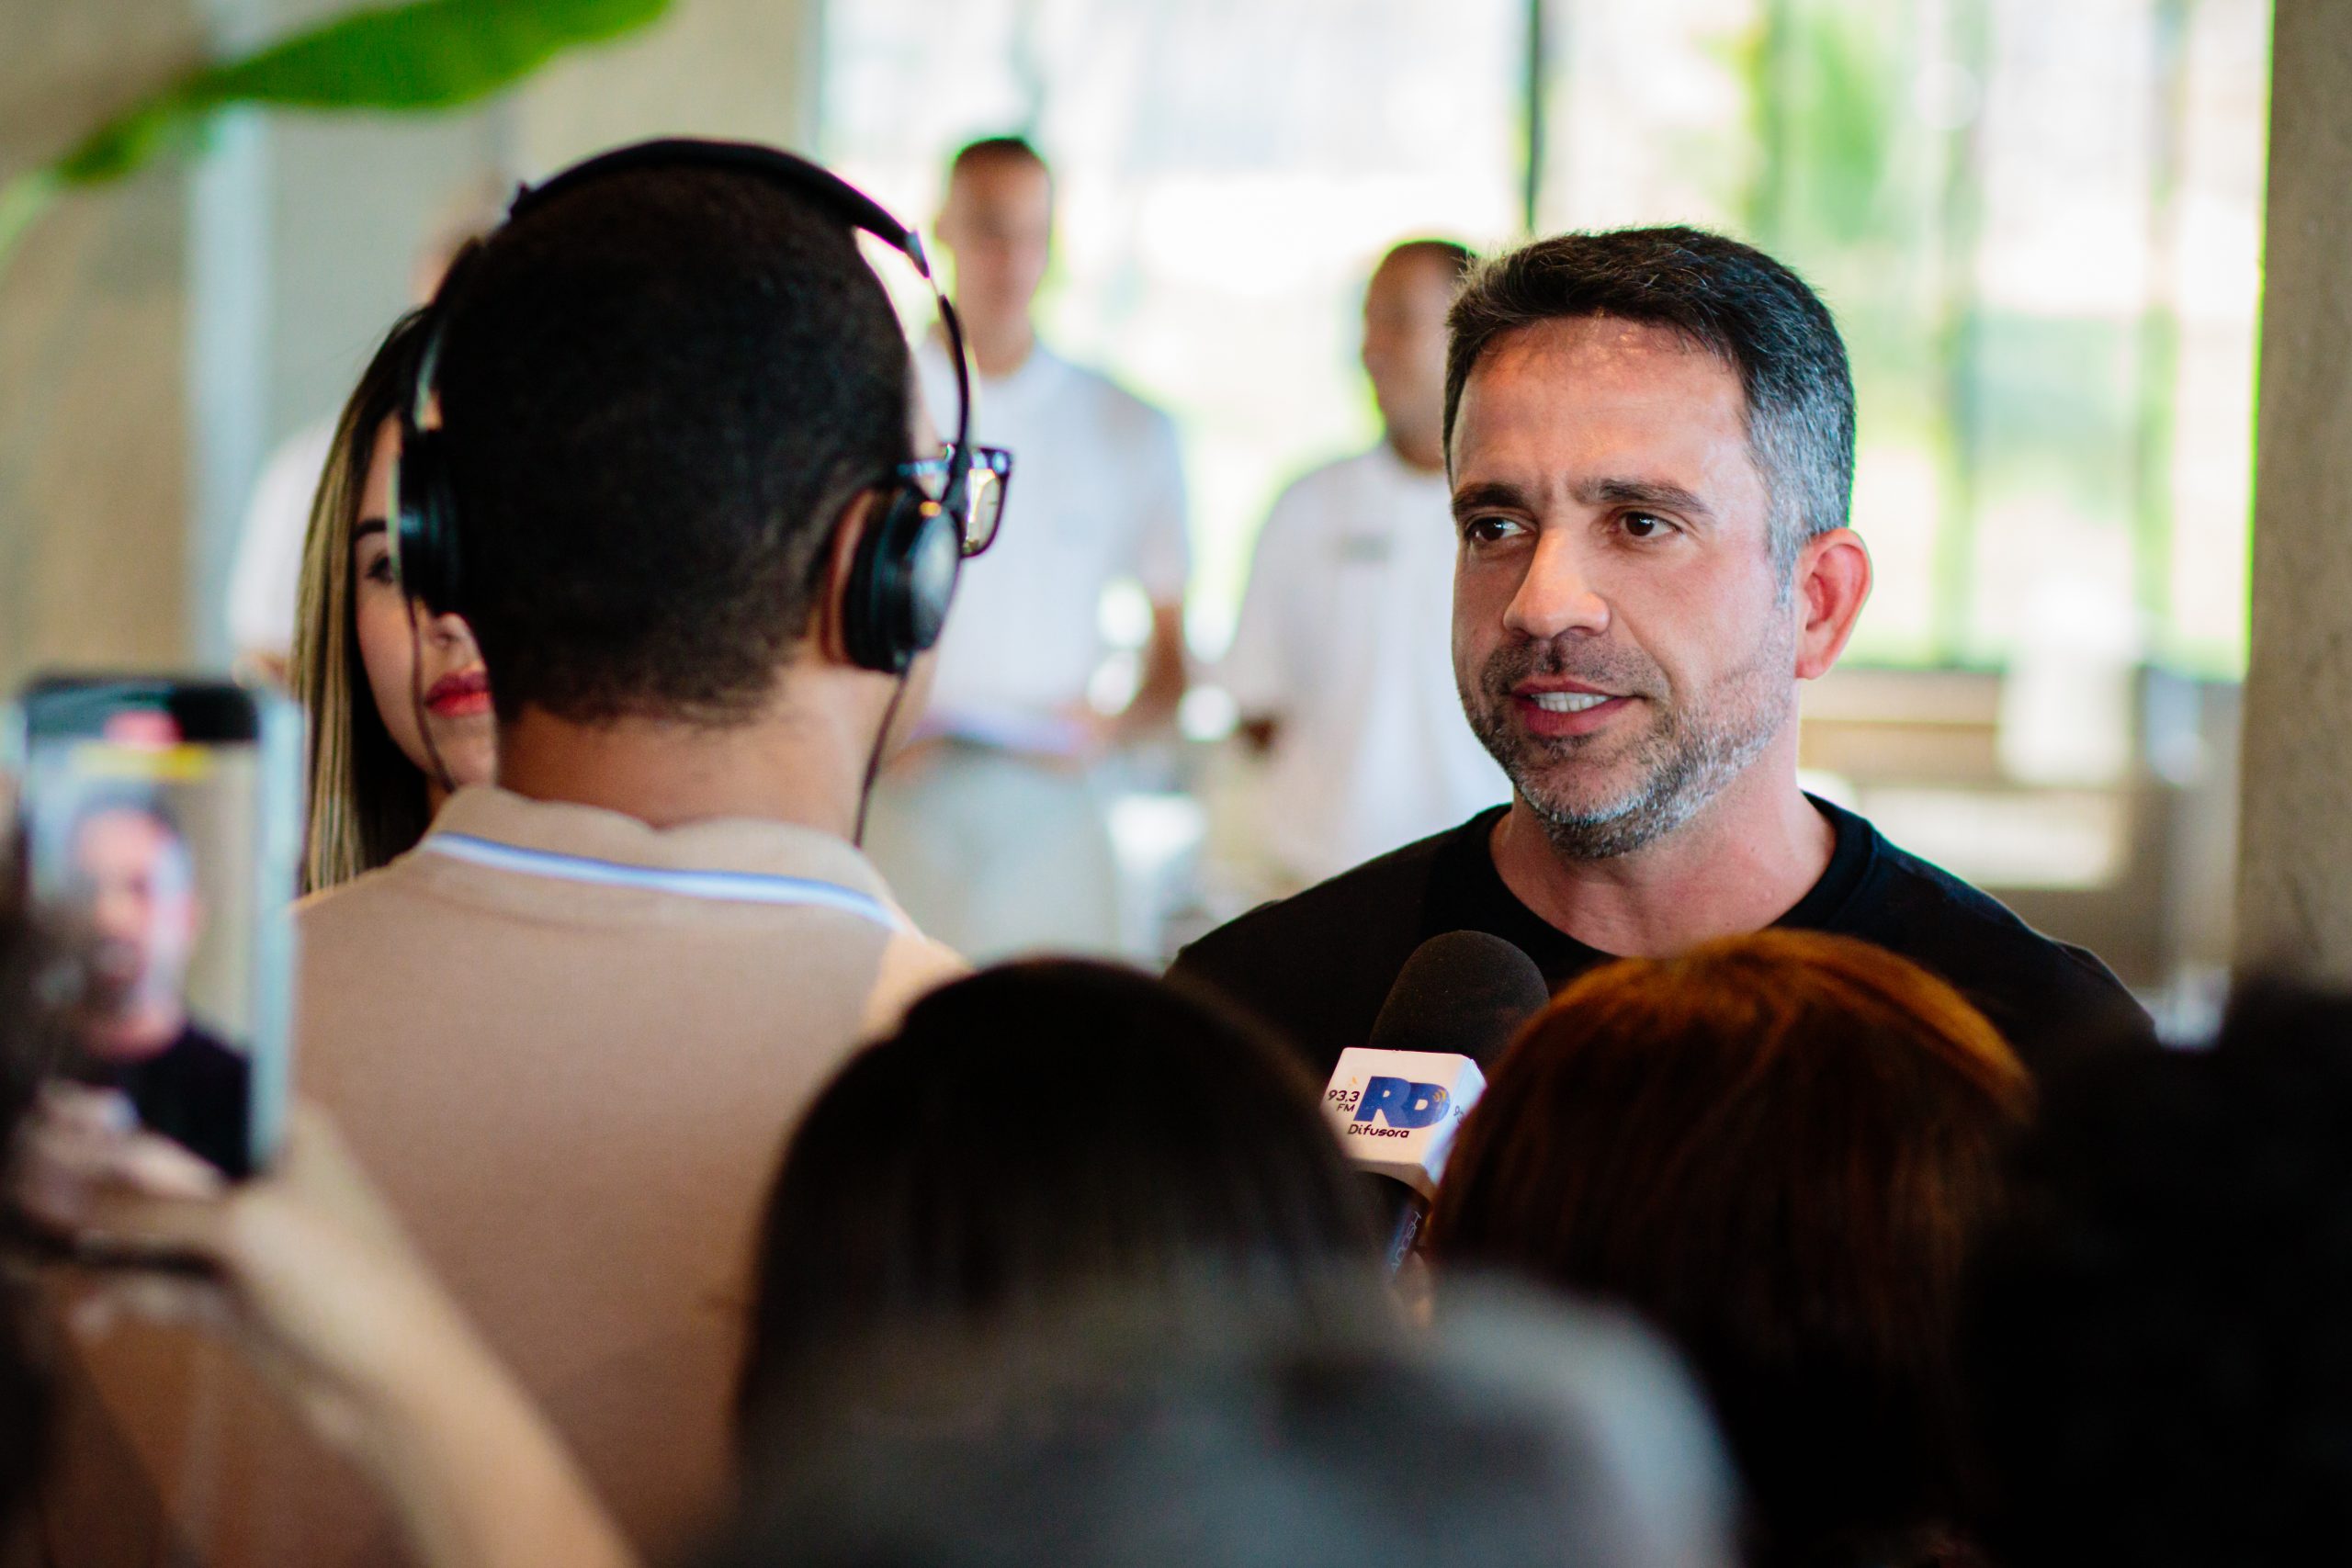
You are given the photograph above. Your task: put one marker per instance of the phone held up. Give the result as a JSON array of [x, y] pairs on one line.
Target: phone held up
[[158, 830]]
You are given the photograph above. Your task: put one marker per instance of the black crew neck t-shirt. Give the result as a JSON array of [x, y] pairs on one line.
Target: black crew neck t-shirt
[[1319, 966], [194, 1091]]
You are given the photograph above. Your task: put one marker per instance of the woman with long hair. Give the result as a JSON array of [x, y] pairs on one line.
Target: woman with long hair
[[1777, 1148], [398, 701]]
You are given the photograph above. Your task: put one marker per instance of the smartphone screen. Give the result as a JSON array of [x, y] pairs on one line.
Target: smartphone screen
[[159, 826]]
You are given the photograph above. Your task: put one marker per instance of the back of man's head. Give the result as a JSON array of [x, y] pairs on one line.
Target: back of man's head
[[660, 390], [2162, 1345], [1725, 299]]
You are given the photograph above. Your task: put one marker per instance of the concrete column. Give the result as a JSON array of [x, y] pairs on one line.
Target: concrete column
[[2295, 871], [93, 317]]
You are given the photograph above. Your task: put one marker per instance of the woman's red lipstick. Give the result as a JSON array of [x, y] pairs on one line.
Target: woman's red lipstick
[[462, 695]]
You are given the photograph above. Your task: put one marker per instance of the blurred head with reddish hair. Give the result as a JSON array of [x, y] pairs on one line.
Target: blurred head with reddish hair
[[1777, 1147]]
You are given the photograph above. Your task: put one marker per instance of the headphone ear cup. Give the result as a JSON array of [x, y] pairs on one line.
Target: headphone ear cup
[[426, 548], [934, 564], [902, 582]]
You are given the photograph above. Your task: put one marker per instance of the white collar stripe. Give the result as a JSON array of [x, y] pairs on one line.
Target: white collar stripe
[[729, 887]]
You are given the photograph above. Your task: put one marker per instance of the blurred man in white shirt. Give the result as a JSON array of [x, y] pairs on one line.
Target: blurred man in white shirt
[[994, 835], [1342, 663]]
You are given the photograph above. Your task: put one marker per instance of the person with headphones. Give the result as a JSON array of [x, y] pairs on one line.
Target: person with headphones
[[664, 455]]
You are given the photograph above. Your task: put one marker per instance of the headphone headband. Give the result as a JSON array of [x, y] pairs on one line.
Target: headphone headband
[[821, 184]]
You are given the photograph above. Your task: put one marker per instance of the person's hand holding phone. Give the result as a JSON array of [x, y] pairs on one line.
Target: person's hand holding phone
[[305, 1263], [306, 1267], [81, 1158]]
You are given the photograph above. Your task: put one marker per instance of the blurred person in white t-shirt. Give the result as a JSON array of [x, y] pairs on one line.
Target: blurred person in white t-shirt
[[994, 834], [265, 580], [1342, 665]]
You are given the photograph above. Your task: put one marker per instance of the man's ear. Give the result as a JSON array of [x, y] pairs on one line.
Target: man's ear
[[829, 630], [1833, 582]]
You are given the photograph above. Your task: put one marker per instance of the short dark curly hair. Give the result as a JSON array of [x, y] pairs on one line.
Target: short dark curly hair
[[660, 392], [1729, 298], [2160, 1341]]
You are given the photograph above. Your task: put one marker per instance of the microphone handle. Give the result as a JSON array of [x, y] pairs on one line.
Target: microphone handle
[[1406, 1232]]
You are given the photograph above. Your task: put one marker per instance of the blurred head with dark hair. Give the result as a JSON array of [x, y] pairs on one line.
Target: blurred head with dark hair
[[134, 885], [1036, 1131], [664, 394], [1777, 1147], [1508, 1436], [1403, 342], [998, 222], [2160, 1335]]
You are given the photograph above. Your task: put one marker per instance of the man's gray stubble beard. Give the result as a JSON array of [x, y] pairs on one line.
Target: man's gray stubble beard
[[1682, 765]]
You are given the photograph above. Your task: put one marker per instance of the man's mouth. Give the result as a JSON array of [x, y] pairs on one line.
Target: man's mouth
[[1559, 708], [1568, 702], [115, 960]]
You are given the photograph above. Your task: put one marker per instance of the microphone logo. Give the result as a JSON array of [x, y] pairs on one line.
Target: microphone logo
[[1396, 1112], [1402, 1104]]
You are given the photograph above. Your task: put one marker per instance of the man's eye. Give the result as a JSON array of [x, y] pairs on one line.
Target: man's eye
[[1646, 525], [1489, 530]]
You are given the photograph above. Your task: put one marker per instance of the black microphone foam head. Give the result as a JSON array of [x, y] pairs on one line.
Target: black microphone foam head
[[1465, 993]]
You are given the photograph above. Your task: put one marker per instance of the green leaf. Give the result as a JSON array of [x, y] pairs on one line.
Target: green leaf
[[128, 142], [22, 199], [428, 54]]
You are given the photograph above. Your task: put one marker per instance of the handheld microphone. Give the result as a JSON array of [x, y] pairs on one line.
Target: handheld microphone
[[1397, 1100]]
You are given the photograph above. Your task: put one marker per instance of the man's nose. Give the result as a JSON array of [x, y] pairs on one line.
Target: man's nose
[[1557, 597], [117, 914]]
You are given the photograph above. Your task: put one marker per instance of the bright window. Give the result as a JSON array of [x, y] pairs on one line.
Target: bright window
[[1228, 173], [2038, 225]]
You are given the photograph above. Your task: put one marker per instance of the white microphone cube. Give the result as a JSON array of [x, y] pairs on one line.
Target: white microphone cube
[[1396, 1111]]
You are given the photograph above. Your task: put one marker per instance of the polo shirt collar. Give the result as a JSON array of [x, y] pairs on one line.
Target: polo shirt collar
[[732, 845]]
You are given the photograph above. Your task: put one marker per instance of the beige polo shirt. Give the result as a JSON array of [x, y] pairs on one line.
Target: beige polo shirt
[[569, 1047]]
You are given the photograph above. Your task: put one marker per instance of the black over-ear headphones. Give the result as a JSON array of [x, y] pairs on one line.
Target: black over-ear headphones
[[905, 571]]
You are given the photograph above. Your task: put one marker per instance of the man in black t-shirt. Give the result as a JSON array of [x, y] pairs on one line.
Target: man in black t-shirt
[[136, 883], [1650, 440]]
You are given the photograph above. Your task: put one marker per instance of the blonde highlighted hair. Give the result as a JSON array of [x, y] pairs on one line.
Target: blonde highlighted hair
[[368, 800]]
